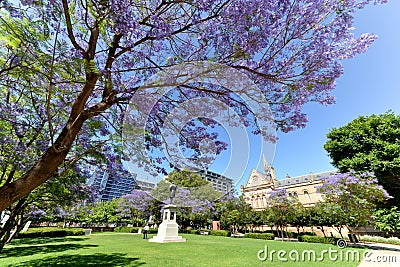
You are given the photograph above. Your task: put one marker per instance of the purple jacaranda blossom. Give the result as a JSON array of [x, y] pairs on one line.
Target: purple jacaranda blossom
[[292, 50]]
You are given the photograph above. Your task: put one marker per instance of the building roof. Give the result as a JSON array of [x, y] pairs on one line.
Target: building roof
[[257, 179], [304, 178]]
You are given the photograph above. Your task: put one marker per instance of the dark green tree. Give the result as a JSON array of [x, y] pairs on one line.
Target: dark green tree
[[301, 218], [233, 213], [387, 220], [186, 178], [199, 188], [369, 144]]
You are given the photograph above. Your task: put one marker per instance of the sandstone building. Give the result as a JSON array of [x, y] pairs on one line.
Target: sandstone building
[[304, 187]]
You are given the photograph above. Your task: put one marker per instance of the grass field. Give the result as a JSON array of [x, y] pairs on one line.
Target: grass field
[[122, 249]]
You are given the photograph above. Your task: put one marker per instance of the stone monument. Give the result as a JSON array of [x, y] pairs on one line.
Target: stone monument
[[168, 229]]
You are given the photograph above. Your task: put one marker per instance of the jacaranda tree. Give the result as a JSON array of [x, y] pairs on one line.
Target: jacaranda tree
[[281, 210], [135, 206], [68, 67], [350, 199]]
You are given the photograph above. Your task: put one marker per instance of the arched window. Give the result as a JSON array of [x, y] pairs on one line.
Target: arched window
[[290, 194], [307, 196], [295, 195], [258, 202]]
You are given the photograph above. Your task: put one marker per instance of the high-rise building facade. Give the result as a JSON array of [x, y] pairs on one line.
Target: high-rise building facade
[[108, 187], [145, 186], [219, 182]]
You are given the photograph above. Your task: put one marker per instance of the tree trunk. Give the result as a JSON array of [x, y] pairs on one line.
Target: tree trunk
[[43, 170], [323, 231], [18, 227], [5, 233]]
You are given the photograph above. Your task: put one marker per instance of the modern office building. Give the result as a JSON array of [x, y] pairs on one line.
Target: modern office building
[[145, 186], [219, 182], [108, 187]]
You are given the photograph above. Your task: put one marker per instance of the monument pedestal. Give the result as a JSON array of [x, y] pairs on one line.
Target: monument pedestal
[[168, 229]]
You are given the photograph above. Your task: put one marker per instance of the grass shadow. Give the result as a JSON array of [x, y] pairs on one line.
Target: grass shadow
[[98, 259], [43, 249], [45, 240]]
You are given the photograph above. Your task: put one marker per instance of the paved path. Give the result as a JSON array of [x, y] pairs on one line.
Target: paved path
[[381, 255]]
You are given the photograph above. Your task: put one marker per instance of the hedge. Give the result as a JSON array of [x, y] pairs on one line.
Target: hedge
[[306, 233], [318, 239], [183, 231], [285, 234], [51, 232], [153, 231], [125, 229], [220, 233], [193, 231], [296, 235], [265, 236], [189, 231]]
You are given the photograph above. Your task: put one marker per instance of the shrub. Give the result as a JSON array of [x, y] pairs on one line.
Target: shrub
[[153, 231], [193, 231], [296, 235], [265, 236], [306, 233], [184, 231], [291, 234], [51, 232], [318, 239], [75, 231], [220, 233], [125, 229]]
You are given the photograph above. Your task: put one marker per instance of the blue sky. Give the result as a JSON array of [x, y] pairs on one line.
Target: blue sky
[[369, 85]]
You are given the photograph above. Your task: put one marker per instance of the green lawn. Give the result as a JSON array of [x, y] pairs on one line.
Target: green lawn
[[123, 249]]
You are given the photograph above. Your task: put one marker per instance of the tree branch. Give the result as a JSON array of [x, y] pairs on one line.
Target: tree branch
[[69, 29]]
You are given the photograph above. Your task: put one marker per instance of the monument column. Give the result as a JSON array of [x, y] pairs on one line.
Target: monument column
[[168, 229]]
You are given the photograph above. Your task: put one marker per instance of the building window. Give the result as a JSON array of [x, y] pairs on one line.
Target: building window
[[295, 195], [264, 201], [258, 202], [307, 195]]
